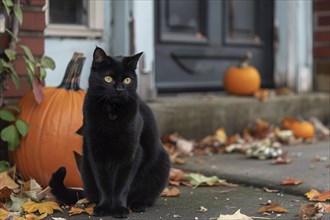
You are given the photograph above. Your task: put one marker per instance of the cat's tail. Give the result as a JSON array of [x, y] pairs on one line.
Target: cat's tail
[[63, 194]]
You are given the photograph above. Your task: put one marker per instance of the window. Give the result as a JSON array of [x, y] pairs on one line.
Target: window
[[74, 18]]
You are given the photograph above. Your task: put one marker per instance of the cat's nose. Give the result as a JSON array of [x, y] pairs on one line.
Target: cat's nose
[[120, 88]]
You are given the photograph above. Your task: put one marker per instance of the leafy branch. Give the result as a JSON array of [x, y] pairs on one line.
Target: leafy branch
[[35, 68]]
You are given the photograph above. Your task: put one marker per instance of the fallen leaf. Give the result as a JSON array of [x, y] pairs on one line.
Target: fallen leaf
[[220, 135], [174, 192], [270, 190], [10, 215], [196, 179], [313, 192], [76, 211], [176, 174], [202, 209], [281, 161], [174, 183], [90, 209], [261, 94], [272, 208], [17, 202], [3, 214], [236, 216], [179, 161], [58, 218], [283, 91], [291, 181], [46, 207], [260, 129], [311, 211], [32, 216], [320, 159], [314, 195], [7, 181], [326, 207], [5, 194], [33, 190]]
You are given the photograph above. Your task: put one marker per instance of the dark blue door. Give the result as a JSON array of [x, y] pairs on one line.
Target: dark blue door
[[197, 40]]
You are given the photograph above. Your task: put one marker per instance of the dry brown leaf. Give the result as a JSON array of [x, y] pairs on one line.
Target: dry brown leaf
[[176, 174], [311, 211], [291, 181], [76, 211], [326, 207], [272, 208], [314, 195], [260, 129], [7, 181], [247, 136], [281, 161], [174, 183], [174, 192], [179, 161], [90, 209], [262, 94], [5, 194], [283, 91]]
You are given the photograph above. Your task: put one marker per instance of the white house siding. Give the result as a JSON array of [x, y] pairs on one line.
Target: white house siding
[[62, 49]]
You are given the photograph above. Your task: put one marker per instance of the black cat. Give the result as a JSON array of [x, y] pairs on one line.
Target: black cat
[[123, 163]]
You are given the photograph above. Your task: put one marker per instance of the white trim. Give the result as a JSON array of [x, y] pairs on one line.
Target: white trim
[[293, 57], [93, 30]]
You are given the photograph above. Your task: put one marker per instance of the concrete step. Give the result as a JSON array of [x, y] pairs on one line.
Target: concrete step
[[195, 116]]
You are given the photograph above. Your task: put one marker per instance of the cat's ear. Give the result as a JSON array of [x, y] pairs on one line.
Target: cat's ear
[[99, 55], [132, 61]]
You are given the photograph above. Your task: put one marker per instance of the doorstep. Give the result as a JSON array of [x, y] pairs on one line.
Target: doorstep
[[195, 116]]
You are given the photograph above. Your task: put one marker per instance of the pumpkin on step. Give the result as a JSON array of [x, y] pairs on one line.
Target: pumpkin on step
[[300, 129], [243, 80], [52, 139]]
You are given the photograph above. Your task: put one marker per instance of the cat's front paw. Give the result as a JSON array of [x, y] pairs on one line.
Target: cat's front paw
[[138, 207], [119, 212], [101, 210]]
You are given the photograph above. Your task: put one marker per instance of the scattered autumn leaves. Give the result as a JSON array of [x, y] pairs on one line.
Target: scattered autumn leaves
[[259, 140]]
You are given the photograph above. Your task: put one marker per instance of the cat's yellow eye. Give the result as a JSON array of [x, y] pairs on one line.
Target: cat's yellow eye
[[108, 79], [127, 80]]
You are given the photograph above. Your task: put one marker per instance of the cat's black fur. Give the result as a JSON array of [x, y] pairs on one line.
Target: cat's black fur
[[124, 164]]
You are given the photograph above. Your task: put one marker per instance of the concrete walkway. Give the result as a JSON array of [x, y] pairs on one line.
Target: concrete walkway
[[248, 172], [262, 173]]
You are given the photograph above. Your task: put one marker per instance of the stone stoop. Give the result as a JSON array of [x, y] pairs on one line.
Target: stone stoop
[[195, 116]]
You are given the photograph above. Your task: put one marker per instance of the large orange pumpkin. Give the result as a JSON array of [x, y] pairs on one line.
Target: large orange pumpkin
[[300, 129], [53, 123], [242, 80]]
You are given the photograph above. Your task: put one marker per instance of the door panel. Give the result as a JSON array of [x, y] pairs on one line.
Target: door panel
[[197, 40]]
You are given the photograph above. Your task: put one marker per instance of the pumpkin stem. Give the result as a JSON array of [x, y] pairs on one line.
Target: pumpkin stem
[[72, 74], [245, 61]]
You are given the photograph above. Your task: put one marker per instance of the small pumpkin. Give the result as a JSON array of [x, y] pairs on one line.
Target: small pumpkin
[[300, 129], [52, 139], [242, 80]]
